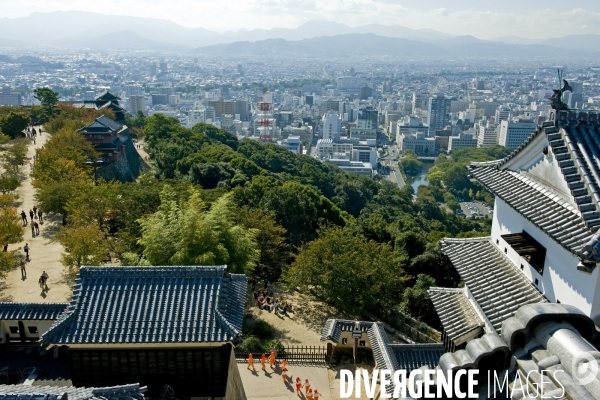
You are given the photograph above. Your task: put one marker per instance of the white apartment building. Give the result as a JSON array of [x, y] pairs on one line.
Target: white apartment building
[[512, 134], [487, 134], [332, 125], [137, 103], [463, 140], [418, 142]]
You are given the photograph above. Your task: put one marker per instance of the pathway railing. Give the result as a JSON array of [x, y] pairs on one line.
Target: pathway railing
[[290, 353]]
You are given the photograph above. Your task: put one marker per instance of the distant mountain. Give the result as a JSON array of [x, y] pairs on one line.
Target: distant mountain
[[10, 43], [575, 42], [517, 40], [369, 44], [123, 40], [30, 61]]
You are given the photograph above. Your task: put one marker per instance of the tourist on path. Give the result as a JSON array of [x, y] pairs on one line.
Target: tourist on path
[[32, 229], [31, 214], [45, 279], [309, 395], [284, 377], [316, 395], [37, 228], [26, 249], [35, 211], [23, 271], [24, 217], [272, 360], [40, 215], [306, 385], [298, 385]]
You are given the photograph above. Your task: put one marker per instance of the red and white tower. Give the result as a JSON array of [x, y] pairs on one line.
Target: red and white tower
[[264, 122]]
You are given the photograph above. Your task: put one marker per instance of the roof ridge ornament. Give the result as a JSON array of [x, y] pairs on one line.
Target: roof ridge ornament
[[556, 98]]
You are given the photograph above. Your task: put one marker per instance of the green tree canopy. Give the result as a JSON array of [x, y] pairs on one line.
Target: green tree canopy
[[356, 275], [48, 99], [185, 232], [13, 123]]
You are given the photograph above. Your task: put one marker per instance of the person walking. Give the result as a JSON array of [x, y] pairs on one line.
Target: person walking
[[316, 395], [263, 362], [306, 385], [272, 360], [309, 395], [23, 271], [24, 217], [253, 283], [45, 279], [32, 228], [284, 377], [251, 362], [26, 249], [31, 214], [284, 365], [37, 228], [40, 215], [35, 211], [298, 385]]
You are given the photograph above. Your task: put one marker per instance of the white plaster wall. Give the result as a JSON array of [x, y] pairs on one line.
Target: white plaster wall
[[561, 279], [543, 169], [42, 327]]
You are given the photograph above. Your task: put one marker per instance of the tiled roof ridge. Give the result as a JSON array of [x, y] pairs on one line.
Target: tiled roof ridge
[[380, 346], [30, 303], [461, 240], [158, 270]]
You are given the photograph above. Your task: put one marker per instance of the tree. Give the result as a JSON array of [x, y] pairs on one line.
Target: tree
[[84, 245], [410, 163], [11, 228], [217, 134], [8, 184], [15, 156], [8, 260], [270, 239], [435, 264], [416, 301], [13, 123], [356, 275], [48, 99], [184, 232]]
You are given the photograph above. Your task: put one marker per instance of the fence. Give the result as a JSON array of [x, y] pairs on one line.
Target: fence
[[291, 353]]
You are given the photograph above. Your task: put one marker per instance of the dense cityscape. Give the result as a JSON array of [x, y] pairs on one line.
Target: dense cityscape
[[378, 200]]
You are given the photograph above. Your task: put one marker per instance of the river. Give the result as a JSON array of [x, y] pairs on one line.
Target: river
[[418, 180]]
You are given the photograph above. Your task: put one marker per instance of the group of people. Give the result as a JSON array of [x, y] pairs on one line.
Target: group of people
[[31, 133], [35, 213], [309, 392], [265, 299]]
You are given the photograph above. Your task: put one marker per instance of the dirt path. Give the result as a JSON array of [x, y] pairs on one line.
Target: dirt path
[[44, 252]]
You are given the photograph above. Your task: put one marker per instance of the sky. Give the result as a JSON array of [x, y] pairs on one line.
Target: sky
[[485, 19]]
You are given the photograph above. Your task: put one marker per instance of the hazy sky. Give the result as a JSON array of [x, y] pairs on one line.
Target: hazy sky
[[481, 18]]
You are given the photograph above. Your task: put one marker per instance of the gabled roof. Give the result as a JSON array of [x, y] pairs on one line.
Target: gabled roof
[[333, 328], [31, 311], [107, 96], [496, 285], [25, 392], [574, 143], [152, 305], [414, 356], [457, 315], [102, 124]]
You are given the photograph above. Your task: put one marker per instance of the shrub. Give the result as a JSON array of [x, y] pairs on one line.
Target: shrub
[[263, 330], [251, 344], [278, 347]]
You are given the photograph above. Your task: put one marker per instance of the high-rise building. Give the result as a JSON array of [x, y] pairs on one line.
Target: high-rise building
[[8, 98], [164, 67], [502, 114], [419, 102], [332, 125], [226, 107], [137, 103], [133, 90], [512, 134], [487, 134], [462, 141], [438, 113]]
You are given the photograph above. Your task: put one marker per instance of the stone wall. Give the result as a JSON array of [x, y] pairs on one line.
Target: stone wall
[[127, 168]]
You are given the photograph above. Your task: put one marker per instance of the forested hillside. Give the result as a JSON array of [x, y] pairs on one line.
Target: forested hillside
[[355, 242]]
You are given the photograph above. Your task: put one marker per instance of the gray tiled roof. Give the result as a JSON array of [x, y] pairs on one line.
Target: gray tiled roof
[[414, 356], [23, 392], [31, 311], [457, 315], [573, 137], [102, 122], [497, 287], [152, 305], [553, 215], [333, 328]]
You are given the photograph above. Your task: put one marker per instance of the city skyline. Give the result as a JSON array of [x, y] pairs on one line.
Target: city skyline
[[534, 20]]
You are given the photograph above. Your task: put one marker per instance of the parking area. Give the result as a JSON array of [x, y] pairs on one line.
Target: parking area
[[475, 209]]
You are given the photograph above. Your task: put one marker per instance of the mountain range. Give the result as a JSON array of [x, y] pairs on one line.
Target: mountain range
[[85, 30]]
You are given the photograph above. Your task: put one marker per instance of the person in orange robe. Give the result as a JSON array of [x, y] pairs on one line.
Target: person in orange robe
[[272, 359], [316, 395], [263, 362], [284, 365], [309, 395], [284, 378], [306, 385], [298, 384], [251, 361]]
